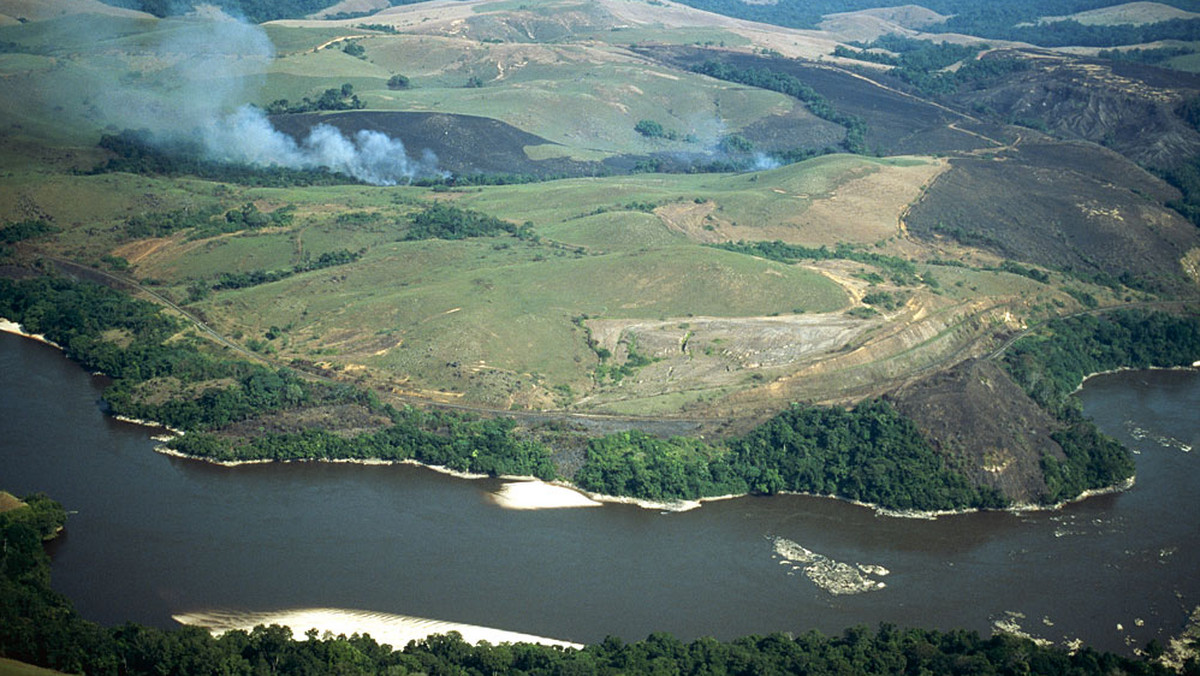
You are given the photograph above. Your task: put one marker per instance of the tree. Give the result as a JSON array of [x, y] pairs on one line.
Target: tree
[[736, 143], [399, 82], [649, 129]]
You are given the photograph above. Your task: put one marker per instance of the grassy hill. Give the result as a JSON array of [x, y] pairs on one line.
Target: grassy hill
[[600, 172]]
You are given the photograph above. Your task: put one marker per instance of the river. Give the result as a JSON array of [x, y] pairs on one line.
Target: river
[[152, 536]]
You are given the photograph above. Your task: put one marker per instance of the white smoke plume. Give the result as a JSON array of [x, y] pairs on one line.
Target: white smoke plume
[[764, 162], [208, 65], [246, 136]]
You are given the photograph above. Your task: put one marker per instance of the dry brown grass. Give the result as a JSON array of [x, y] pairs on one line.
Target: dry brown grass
[[40, 10], [9, 502]]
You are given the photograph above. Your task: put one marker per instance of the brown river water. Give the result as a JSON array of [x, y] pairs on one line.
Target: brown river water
[[152, 536]]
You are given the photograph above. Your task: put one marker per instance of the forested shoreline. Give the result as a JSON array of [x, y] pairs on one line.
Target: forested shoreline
[[40, 626], [864, 448], [869, 454]]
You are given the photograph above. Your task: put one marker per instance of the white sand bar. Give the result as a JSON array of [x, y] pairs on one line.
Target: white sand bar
[[394, 630], [536, 494], [9, 326]]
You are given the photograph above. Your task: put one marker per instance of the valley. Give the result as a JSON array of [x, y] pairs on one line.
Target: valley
[[645, 249], [613, 296]]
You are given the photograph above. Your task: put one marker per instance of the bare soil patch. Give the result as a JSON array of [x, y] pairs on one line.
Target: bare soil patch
[[9, 502], [868, 208], [704, 353], [927, 335], [137, 251]]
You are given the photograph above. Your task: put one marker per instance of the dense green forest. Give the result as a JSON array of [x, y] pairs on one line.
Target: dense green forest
[[445, 221], [870, 454], [11, 233], [1186, 175], [241, 280], [1052, 363], [40, 626], [459, 442], [331, 99], [1153, 55]]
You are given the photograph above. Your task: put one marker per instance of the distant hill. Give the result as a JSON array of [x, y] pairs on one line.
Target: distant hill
[[254, 10], [1018, 20], [19, 11], [1134, 13]]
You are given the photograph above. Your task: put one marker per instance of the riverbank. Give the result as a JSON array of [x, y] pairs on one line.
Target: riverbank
[[9, 326], [1124, 369], [530, 493], [394, 630], [1185, 646], [557, 495]]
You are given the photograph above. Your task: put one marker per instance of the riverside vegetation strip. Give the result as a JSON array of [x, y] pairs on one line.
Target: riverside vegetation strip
[[869, 454], [40, 626], [483, 320]]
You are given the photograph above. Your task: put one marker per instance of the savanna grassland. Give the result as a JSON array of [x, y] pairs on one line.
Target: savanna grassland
[[545, 207], [660, 250]]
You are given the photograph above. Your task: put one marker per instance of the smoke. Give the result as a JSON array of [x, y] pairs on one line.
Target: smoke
[[246, 136], [764, 162], [196, 76], [716, 144]]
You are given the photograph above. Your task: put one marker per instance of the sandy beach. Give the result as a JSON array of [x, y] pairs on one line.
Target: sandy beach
[[536, 494], [8, 326], [394, 630]]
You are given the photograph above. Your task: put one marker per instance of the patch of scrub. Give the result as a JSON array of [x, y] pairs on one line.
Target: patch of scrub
[[835, 577], [540, 495], [395, 630]]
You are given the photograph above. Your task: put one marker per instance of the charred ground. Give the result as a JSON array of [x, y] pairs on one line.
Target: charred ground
[[455, 140]]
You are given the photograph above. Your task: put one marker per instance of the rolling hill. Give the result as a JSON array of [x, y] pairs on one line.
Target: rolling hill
[[676, 213]]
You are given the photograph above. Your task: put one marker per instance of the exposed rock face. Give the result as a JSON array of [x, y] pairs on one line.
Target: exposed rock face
[[986, 425]]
